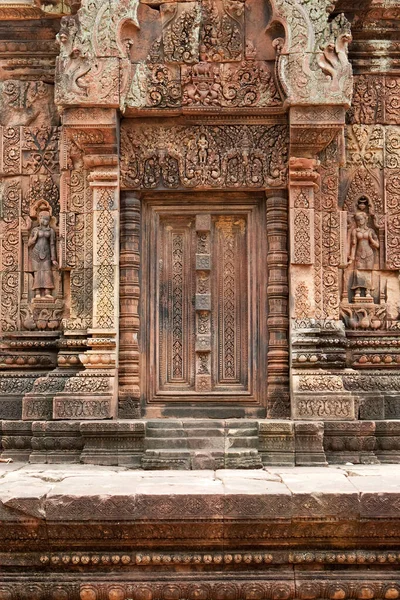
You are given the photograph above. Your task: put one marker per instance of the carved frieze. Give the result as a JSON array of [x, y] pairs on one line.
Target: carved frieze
[[27, 103], [10, 279], [222, 30], [251, 83], [224, 85], [375, 100], [230, 156]]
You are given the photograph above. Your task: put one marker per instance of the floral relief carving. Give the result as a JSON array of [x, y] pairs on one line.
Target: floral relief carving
[[105, 303], [10, 243], [222, 30], [393, 220], [368, 100], [392, 102], [365, 146], [181, 26], [249, 83], [40, 150], [301, 301]]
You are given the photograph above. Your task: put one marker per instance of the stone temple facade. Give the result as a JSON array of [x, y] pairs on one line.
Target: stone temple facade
[[200, 220], [199, 270]]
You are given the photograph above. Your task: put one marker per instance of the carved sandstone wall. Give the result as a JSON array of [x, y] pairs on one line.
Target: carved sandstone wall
[[218, 106]]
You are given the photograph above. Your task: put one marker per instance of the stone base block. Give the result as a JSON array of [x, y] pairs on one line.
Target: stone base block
[[392, 405], [350, 442], [56, 442], [10, 408], [37, 407], [309, 444], [242, 459], [16, 440], [169, 460], [371, 406], [113, 443], [387, 434], [77, 408], [276, 443], [327, 406], [13, 387]]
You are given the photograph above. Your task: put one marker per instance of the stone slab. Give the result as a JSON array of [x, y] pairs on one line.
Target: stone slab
[[80, 493]]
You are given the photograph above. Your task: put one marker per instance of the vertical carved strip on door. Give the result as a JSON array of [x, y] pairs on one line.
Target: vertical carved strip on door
[[173, 311], [177, 341], [232, 313], [203, 378]]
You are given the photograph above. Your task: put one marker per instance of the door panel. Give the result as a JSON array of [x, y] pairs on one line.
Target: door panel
[[203, 303]]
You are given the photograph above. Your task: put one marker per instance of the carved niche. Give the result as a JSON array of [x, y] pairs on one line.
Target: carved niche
[[42, 292]]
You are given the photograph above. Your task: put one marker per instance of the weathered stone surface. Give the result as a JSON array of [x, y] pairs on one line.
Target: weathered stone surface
[[83, 529]]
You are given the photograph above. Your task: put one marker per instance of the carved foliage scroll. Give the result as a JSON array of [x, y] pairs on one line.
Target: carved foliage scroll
[[105, 259], [10, 249], [302, 224]]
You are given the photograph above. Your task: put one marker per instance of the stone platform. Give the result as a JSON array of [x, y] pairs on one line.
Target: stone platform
[[84, 532], [196, 444]]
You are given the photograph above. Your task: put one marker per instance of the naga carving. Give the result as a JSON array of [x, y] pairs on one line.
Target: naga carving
[[93, 53]]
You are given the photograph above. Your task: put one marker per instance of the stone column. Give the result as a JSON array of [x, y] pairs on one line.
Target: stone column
[[129, 367], [277, 297]]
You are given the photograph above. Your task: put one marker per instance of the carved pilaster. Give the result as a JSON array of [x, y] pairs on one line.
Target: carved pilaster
[[278, 309], [129, 368], [93, 392], [317, 335], [303, 178]]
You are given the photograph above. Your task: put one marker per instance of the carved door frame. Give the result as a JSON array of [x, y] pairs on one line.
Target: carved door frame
[[270, 348]]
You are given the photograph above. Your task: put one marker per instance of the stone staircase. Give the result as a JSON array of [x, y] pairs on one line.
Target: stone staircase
[[201, 444]]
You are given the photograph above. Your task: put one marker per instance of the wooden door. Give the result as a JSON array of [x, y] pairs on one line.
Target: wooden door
[[203, 309]]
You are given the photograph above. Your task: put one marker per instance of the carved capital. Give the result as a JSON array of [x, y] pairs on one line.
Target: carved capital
[[313, 128]]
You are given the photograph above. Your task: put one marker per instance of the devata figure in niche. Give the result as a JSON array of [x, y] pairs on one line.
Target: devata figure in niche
[[42, 242], [363, 242]]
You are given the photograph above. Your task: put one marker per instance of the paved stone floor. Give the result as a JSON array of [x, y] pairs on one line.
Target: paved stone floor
[[65, 492]]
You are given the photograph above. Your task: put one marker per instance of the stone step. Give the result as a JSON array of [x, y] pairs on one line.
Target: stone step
[[165, 433], [172, 443], [241, 433], [181, 433], [169, 460], [242, 442]]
